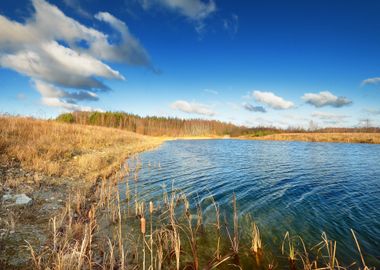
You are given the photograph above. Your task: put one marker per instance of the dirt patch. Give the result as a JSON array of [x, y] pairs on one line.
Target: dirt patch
[[21, 224]]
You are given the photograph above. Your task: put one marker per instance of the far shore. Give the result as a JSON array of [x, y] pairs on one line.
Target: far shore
[[371, 138], [197, 138], [336, 137]]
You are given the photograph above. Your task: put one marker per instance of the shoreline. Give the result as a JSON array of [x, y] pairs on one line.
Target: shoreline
[[44, 167], [355, 138], [360, 138]]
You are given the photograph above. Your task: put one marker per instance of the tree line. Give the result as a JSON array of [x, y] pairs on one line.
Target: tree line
[[177, 127], [153, 125]]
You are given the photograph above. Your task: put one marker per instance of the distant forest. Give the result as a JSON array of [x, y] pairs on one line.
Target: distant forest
[[152, 125], [168, 126]]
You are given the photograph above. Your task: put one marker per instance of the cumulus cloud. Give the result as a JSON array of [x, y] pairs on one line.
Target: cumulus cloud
[[60, 65], [375, 80], [56, 102], [50, 91], [251, 108], [130, 49], [193, 9], [192, 107], [325, 98], [56, 97], [271, 100], [66, 53]]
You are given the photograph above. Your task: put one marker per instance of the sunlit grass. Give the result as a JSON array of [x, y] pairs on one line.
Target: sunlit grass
[[322, 137], [60, 149]]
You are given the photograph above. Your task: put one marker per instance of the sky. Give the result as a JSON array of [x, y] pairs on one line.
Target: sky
[[253, 63]]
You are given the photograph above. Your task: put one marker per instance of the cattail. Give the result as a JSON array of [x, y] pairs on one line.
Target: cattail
[[151, 207], [143, 225]]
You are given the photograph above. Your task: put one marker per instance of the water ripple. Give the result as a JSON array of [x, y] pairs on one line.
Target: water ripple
[[304, 187]]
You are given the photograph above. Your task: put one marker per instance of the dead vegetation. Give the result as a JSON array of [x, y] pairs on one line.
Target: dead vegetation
[[356, 137], [58, 149], [48, 161]]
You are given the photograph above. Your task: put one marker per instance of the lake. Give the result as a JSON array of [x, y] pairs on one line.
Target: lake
[[304, 188]]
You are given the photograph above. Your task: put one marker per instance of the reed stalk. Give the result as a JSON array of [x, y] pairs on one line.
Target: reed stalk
[[151, 210], [120, 235], [365, 267], [235, 246]]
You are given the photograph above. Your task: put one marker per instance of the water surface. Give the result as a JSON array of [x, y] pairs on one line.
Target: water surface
[[305, 188]]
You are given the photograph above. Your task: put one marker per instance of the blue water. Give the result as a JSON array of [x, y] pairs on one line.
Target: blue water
[[306, 188]]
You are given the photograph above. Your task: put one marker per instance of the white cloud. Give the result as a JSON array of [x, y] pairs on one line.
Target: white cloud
[[56, 102], [57, 64], [325, 98], [193, 9], [130, 50], [55, 97], [271, 100], [375, 80], [50, 91], [192, 107], [56, 50]]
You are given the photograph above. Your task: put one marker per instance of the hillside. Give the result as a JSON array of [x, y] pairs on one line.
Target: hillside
[[61, 149]]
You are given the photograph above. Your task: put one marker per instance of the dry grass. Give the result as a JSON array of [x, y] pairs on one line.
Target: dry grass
[[68, 150], [323, 137]]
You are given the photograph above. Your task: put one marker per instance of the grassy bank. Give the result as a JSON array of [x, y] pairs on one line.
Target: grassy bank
[[49, 163], [357, 137], [58, 149]]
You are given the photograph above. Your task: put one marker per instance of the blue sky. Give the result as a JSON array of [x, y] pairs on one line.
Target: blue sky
[[281, 63]]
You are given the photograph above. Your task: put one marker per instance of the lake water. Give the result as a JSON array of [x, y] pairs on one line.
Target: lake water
[[305, 188]]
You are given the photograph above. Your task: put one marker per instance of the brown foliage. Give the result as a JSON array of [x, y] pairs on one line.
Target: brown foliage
[[67, 150]]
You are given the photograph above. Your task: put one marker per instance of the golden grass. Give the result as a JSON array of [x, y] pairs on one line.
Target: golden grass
[[323, 137], [75, 151]]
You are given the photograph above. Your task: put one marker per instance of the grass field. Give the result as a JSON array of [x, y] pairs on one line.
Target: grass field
[[321, 137], [58, 149]]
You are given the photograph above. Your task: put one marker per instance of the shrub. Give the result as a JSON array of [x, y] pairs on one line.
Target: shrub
[[66, 118]]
